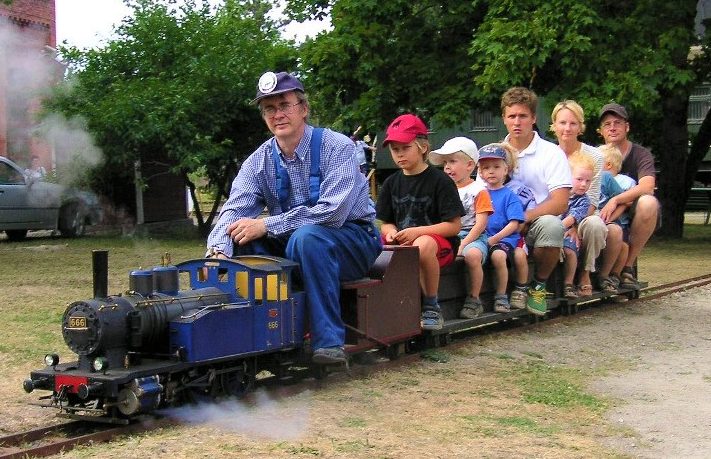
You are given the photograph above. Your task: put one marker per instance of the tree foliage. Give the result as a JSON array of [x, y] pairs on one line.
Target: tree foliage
[[176, 83], [383, 58], [443, 59]]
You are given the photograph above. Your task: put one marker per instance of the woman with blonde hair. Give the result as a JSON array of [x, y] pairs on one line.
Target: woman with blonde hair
[[568, 124]]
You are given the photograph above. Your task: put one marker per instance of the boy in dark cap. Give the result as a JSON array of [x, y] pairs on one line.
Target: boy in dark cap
[[320, 214]]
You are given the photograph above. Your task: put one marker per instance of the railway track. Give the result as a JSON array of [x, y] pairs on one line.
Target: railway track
[[55, 439], [674, 287], [47, 441]]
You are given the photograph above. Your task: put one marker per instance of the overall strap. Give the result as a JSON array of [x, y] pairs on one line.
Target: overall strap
[[283, 182], [315, 174]]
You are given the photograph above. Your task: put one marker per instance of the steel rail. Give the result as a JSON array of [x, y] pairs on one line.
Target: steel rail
[[50, 440]]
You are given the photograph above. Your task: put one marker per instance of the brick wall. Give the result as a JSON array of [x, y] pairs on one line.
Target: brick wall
[[34, 21]]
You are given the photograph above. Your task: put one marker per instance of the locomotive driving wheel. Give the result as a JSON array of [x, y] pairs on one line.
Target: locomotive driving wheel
[[235, 382], [218, 382]]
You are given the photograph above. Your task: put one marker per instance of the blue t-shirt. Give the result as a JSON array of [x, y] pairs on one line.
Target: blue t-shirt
[[507, 207], [609, 188]]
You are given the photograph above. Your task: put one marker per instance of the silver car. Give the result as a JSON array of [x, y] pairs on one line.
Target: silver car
[[28, 203]]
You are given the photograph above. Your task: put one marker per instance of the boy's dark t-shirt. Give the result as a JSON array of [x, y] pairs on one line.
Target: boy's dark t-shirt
[[427, 198]]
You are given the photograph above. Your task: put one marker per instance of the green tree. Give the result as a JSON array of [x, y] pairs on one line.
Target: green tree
[[443, 59], [383, 58], [176, 83]]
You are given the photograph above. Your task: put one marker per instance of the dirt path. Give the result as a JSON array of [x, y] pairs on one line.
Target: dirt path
[[666, 398], [659, 380]]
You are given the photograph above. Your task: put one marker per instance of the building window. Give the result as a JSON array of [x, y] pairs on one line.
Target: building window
[[699, 103], [482, 121]]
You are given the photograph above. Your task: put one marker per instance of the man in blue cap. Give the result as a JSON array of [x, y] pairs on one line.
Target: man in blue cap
[[320, 214]]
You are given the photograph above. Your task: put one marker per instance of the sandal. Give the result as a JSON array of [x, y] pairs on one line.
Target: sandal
[[585, 290], [569, 291]]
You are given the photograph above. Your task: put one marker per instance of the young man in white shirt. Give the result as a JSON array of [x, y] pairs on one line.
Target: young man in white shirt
[[543, 167]]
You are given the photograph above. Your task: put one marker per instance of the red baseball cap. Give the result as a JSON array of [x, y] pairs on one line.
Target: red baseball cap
[[404, 129]]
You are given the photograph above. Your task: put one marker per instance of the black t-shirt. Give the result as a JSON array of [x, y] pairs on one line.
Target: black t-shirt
[[427, 198]]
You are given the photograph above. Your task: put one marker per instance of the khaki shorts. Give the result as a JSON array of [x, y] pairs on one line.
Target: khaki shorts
[[545, 231]]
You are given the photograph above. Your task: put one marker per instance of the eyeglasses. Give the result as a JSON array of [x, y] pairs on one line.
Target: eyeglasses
[[613, 123], [284, 107]]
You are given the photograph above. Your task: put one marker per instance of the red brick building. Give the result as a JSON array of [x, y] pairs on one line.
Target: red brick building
[[27, 65], [27, 41]]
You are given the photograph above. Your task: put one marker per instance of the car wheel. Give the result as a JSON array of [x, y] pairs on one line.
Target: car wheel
[[16, 235], [72, 221]]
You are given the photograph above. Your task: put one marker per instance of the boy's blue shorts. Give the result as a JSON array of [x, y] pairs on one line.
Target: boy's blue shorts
[[569, 244], [479, 243]]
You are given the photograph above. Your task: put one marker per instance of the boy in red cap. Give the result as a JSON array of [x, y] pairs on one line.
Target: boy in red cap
[[420, 206]]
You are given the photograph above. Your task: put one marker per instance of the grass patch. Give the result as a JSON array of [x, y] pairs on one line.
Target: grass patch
[[371, 393], [353, 422], [435, 355], [500, 426], [302, 449], [526, 425], [553, 386], [482, 425], [353, 446]]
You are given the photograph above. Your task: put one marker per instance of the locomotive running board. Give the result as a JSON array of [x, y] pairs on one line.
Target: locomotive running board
[[100, 419]]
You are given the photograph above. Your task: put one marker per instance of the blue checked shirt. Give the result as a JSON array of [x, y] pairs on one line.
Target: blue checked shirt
[[343, 194]]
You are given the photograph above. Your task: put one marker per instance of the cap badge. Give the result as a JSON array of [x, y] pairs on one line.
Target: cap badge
[[267, 82]]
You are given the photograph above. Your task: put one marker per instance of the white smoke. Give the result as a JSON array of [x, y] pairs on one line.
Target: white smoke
[[32, 70], [71, 141], [261, 416]]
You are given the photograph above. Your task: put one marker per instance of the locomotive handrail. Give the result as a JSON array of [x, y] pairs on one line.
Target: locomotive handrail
[[270, 264], [171, 300]]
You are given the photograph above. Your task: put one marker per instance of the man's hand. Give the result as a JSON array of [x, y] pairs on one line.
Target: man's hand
[[246, 230], [607, 211]]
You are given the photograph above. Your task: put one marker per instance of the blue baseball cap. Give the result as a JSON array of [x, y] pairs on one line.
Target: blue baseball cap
[[271, 84], [492, 151]]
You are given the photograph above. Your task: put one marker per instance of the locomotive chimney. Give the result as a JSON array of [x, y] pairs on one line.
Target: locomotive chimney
[[100, 267]]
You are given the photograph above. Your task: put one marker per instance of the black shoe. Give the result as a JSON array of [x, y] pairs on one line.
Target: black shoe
[[329, 355], [627, 280]]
